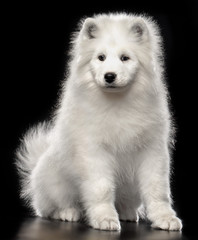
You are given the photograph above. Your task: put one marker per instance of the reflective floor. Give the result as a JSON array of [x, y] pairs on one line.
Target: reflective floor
[[44, 229]]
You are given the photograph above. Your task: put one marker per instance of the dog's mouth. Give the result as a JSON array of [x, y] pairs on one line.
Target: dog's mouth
[[113, 88]]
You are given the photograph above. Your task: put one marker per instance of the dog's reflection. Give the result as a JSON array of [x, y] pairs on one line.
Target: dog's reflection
[[44, 229]]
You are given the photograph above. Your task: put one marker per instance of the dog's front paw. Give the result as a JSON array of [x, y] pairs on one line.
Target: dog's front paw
[[104, 217], [168, 223], [129, 215], [69, 214], [110, 224]]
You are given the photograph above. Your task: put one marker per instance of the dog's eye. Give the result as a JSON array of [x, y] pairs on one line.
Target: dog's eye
[[102, 57], [124, 58]]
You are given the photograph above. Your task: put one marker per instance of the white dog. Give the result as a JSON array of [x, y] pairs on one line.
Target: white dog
[[105, 154]]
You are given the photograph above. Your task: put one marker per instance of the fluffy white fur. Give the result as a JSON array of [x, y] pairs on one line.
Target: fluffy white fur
[[106, 152]]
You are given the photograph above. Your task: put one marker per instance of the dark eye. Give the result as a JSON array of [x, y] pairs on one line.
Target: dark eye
[[124, 58], [102, 57]]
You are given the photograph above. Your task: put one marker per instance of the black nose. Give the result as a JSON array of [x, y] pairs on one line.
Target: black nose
[[110, 77]]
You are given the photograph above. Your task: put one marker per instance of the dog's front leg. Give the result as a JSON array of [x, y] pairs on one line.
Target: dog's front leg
[[154, 184], [97, 190]]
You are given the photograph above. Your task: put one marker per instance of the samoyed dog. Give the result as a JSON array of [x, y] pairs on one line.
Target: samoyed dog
[[106, 153]]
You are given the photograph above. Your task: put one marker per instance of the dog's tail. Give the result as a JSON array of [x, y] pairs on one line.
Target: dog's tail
[[33, 145]]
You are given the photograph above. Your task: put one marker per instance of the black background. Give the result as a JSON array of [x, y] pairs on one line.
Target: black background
[[35, 42]]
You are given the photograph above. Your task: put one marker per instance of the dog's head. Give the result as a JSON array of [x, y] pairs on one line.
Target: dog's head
[[112, 49]]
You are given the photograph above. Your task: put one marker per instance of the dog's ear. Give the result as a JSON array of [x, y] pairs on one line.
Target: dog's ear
[[139, 30], [90, 28]]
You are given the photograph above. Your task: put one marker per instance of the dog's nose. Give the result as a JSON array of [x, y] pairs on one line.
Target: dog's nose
[[110, 77]]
